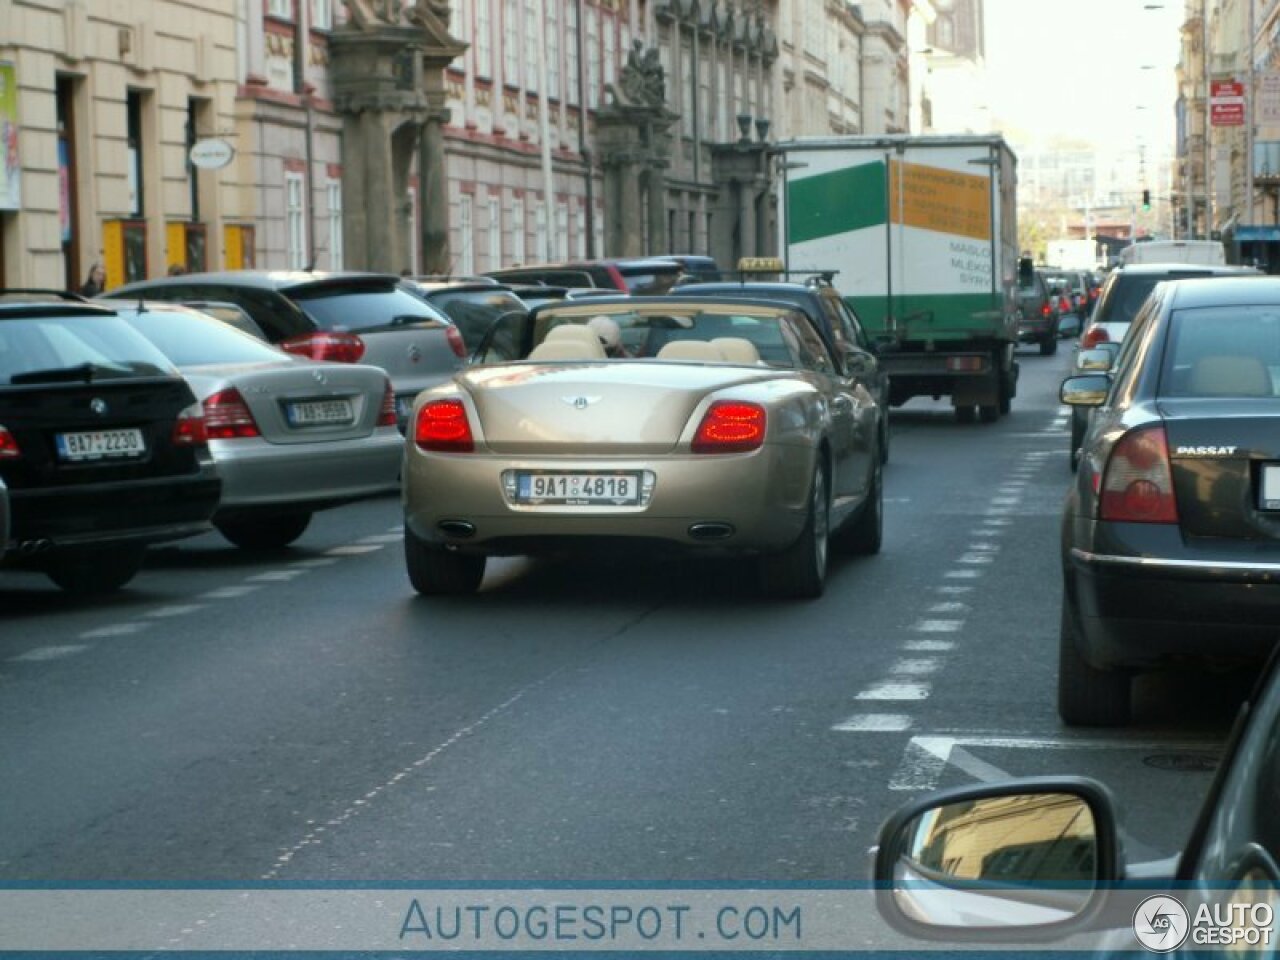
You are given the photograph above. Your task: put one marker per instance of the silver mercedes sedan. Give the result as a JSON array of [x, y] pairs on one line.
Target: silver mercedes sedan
[[289, 436]]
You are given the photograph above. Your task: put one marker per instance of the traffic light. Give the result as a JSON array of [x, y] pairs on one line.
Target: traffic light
[[1146, 199]]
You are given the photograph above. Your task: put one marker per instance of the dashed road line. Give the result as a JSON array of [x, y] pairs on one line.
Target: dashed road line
[[274, 576], [890, 690], [54, 652], [937, 626], [353, 550], [875, 722], [113, 630], [962, 574], [929, 646], [915, 668], [232, 592], [174, 610]]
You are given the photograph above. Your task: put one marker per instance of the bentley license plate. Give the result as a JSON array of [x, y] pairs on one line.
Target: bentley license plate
[[319, 411], [100, 444], [578, 489]]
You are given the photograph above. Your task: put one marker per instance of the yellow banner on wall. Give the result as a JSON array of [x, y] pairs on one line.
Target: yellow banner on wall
[[944, 201], [113, 253]]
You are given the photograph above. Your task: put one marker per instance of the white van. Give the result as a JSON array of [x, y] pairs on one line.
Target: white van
[[1204, 252]]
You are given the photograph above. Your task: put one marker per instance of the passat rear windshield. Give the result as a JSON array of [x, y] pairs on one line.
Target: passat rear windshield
[[1127, 294], [363, 307], [1231, 352], [189, 339], [74, 349]]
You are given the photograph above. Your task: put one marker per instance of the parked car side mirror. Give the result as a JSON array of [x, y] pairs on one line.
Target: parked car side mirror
[[884, 343], [857, 362], [1096, 360], [1086, 390], [1021, 860]]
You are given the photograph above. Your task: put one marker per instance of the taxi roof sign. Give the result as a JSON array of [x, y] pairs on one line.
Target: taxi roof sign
[[761, 265]]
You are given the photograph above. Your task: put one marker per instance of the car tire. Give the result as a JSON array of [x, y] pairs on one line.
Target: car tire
[[437, 571], [989, 412], [965, 413], [265, 532], [1087, 696], [1049, 345], [1077, 441], [884, 437], [100, 570], [1005, 402], [865, 534], [800, 571]]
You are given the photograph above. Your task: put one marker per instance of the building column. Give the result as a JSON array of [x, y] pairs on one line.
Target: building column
[[434, 197]]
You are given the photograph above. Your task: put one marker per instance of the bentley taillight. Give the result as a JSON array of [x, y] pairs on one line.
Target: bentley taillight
[[442, 426], [731, 426]]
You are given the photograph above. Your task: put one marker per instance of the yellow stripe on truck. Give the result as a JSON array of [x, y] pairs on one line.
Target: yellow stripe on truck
[[944, 201]]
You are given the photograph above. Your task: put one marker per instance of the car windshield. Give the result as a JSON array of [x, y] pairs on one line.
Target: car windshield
[[649, 281], [474, 311], [75, 348], [356, 308], [1229, 352], [1127, 295], [189, 339]]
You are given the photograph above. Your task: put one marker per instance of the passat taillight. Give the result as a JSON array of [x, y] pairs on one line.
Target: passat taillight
[[442, 425], [227, 416], [8, 445], [335, 347], [189, 429], [731, 426], [1094, 336], [456, 342], [1137, 486], [387, 412]]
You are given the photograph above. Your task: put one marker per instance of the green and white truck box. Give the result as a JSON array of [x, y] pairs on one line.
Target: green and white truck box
[[923, 234]]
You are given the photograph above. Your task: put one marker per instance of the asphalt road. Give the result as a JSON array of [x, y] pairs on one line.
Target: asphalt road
[[303, 716]]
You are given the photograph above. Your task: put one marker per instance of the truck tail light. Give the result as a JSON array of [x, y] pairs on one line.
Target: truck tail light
[[966, 364], [1137, 486], [731, 426]]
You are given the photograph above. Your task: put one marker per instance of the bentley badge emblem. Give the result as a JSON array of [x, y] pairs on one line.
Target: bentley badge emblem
[[580, 403], [98, 406]]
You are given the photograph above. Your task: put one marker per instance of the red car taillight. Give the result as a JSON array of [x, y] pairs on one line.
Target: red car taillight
[[1094, 336], [387, 413], [442, 425], [227, 416], [1093, 293], [1064, 304], [1138, 484], [456, 342], [8, 445], [731, 426], [336, 347], [1045, 309], [189, 429]]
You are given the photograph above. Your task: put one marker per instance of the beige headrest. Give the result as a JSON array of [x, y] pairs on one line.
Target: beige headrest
[[737, 350], [565, 349], [698, 350], [1231, 376], [573, 331]]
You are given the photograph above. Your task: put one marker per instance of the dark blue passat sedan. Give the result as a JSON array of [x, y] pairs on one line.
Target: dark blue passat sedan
[[1171, 532]]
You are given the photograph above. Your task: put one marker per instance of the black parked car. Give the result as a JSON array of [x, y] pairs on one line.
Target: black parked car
[[473, 305], [1171, 532], [342, 317], [102, 444], [830, 313], [1038, 312]]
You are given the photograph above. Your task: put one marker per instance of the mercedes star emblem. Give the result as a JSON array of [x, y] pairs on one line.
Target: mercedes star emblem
[[319, 377], [414, 353]]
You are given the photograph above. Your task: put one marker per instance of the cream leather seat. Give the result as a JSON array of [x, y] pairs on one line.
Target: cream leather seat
[[1231, 376], [699, 351], [737, 350], [572, 331], [565, 348]]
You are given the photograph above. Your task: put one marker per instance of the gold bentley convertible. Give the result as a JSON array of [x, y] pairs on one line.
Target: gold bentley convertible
[[723, 426]]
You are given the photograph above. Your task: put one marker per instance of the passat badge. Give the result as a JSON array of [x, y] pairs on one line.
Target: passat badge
[[580, 403], [1209, 451]]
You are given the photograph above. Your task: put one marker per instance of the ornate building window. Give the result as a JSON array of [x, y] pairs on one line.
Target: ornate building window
[[495, 233], [593, 57], [517, 232], [532, 37], [511, 43], [571, 51], [484, 38], [553, 47], [466, 227]]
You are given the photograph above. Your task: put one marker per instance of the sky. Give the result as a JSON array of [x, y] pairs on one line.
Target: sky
[[1075, 68]]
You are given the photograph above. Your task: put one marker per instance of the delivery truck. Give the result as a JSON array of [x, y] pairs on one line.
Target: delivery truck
[[922, 234]]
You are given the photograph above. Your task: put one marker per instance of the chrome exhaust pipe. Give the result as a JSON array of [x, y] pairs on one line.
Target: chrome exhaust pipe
[[458, 529], [711, 531]]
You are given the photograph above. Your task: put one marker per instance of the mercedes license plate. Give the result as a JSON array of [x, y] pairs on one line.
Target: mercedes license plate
[[319, 412], [578, 489], [100, 445]]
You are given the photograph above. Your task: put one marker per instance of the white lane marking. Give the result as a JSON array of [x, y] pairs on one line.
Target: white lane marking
[[313, 837], [897, 499], [352, 550], [41, 654], [928, 646], [1004, 501], [113, 630], [274, 576], [937, 626], [985, 547], [915, 668], [998, 512], [888, 690], [874, 722], [382, 538], [230, 593], [315, 562], [175, 610], [962, 574], [949, 590], [398, 528], [925, 758], [987, 532], [998, 522], [978, 558], [949, 606]]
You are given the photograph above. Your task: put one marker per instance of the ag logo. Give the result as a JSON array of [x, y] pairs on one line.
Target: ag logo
[[1161, 924]]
